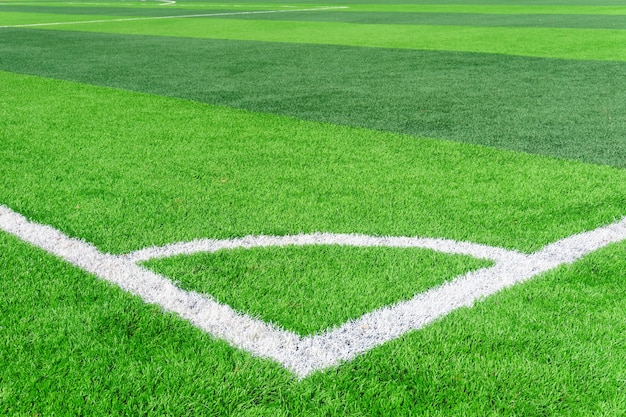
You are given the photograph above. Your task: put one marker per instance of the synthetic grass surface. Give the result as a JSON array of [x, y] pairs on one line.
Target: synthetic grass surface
[[125, 170], [17, 18], [450, 19], [586, 44], [111, 12], [480, 7], [71, 344], [312, 288], [570, 109], [127, 9], [614, 19]]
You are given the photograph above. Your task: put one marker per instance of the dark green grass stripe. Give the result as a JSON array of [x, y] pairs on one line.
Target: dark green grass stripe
[[569, 109], [452, 19]]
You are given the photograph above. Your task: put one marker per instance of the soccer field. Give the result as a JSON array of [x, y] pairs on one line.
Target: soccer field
[[282, 208]]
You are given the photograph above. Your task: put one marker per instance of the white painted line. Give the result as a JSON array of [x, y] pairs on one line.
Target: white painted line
[[132, 19], [303, 355], [212, 245], [130, 4]]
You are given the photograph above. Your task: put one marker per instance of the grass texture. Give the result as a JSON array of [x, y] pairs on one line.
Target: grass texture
[[312, 288], [613, 18], [617, 21], [563, 43], [73, 345], [475, 120], [568, 109], [126, 170]]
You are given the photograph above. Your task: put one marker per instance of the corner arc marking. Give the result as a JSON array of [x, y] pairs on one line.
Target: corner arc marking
[[303, 355], [212, 245]]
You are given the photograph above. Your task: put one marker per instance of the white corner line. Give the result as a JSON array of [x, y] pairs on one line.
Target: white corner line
[[303, 355], [212, 245], [187, 16]]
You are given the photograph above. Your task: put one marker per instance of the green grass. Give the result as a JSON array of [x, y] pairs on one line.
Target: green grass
[[312, 288], [617, 21], [568, 109], [109, 12], [70, 344], [357, 130], [29, 18], [554, 346], [550, 347], [563, 43], [126, 170], [391, 15], [476, 7]]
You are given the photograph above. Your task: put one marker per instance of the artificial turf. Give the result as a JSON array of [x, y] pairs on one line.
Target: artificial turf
[[562, 43], [398, 15], [594, 21], [313, 288], [280, 137], [571, 109], [74, 345], [125, 170]]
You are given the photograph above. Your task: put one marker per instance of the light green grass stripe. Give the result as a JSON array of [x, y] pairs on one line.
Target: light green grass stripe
[[50, 18], [126, 170], [18, 18], [132, 9], [488, 9], [400, 8], [158, 5], [585, 44]]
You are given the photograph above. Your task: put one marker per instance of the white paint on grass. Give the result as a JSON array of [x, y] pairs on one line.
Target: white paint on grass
[[303, 355], [187, 16], [213, 245]]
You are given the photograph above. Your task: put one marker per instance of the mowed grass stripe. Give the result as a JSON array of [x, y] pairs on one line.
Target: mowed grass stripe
[[21, 18], [352, 6], [585, 44], [569, 109], [452, 19], [482, 8], [126, 170], [553, 345], [593, 21], [91, 10]]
